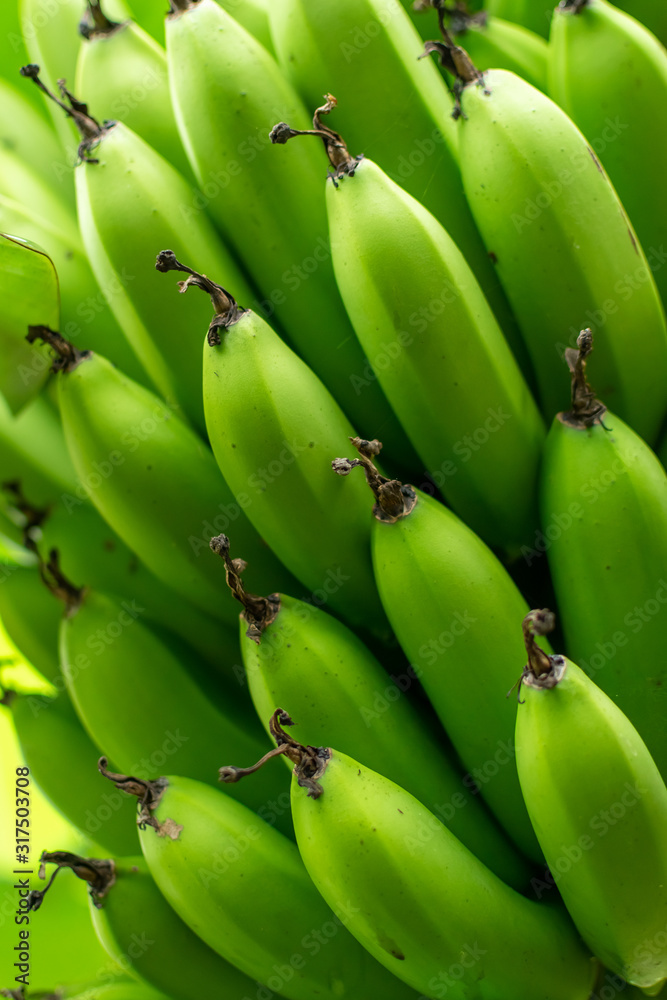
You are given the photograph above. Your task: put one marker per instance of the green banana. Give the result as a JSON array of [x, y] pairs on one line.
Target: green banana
[[24, 184], [29, 292], [532, 14], [151, 478], [437, 918], [33, 451], [566, 251], [450, 603], [282, 453], [129, 188], [603, 499], [420, 314], [242, 887], [140, 931], [51, 35], [398, 111], [227, 91], [139, 700], [84, 309], [31, 619], [599, 808], [609, 74], [60, 755], [293, 651], [25, 131], [123, 73]]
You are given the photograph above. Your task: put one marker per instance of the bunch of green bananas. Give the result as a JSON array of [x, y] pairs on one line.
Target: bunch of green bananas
[[488, 216]]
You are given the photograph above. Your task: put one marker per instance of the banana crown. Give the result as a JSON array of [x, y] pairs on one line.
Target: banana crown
[[393, 500], [258, 612], [310, 763]]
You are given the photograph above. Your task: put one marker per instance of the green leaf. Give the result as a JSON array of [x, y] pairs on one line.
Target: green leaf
[[29, 296]]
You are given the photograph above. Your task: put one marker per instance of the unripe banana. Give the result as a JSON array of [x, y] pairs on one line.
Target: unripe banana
[[450, 603], [291, 649], [131, 454], [29, 292], [242, 887], [227, 91], [123, 73], [397, 109], [599, 808], [565, 249], [609, 73], [135, 697], [420, 309], [84, 310], [651, 15], [603, 497], [33, 451], [532, 14], [25, 130], [31, 619], [22, 183], [137, 927], [438, 918], [60, 755], [126, 187], [282, 453]]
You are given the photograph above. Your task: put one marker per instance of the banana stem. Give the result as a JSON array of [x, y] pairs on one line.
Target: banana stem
[[149, 794], [33, 516], [344, 165], [68, 357], [393, 500], [55, 580], [586, 409], [572, 6], [89, 128], [177, 6], [95, 22], [100, 874], [227, 311], [453, 59], [258, 612], [36, 896], [309, 762], [542, 671]]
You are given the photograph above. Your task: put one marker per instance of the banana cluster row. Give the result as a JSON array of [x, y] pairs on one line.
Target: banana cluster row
[[480, 220]]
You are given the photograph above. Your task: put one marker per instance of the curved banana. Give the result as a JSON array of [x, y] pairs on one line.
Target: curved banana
[[565, 250], [151, 478], [294, 653], [29, 293], [25, 130], [599, 808], [242, 887], [434, 916], [227, 91], [61, 755], [84, 309], [278, 458], [532, 14], [450, 602], [442, 360], [609, 73], [31, 619], [123, 73], [136, 697], [397, 110], [603, 499], [137, 928], [126, 187]]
